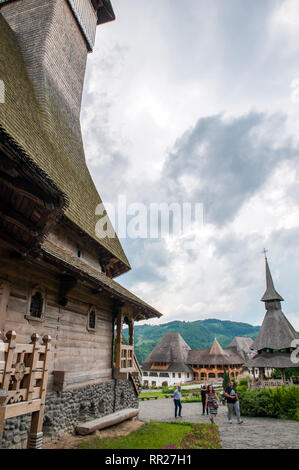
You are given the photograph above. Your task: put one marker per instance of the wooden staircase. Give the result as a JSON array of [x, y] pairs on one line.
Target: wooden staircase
[[136, 375]]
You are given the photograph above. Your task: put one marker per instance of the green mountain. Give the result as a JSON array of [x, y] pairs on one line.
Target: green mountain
[[198, 334]]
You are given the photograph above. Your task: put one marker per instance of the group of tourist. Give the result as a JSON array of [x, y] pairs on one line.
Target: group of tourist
[[211, 402]]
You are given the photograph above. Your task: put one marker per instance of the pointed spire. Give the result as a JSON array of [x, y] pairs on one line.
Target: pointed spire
[[216, 349], [270, 293]]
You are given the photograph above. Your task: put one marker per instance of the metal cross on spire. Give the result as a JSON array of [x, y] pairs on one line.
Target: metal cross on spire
[[265, 252]]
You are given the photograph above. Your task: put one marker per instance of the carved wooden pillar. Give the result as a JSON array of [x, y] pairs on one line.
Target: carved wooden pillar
[[4, 296], [131, 332], [35, 438], [119, 323]]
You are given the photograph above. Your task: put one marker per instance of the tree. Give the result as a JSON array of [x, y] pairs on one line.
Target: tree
[[226, 379]]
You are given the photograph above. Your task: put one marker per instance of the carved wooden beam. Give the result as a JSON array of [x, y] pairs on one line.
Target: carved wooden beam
[[17, 219], [24, 189]]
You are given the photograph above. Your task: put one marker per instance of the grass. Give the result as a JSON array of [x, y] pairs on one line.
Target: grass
[[161, 435], [190, 394], [154, 394]]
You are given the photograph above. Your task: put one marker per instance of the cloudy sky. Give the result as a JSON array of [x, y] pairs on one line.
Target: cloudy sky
[[198, 102]]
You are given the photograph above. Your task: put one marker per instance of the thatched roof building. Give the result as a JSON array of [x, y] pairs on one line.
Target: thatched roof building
[[173, 355]]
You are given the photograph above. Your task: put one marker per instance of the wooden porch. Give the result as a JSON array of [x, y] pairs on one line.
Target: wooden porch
[[126, 364]]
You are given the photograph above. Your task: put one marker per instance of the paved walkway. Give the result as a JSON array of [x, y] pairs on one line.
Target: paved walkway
[[254, 433]]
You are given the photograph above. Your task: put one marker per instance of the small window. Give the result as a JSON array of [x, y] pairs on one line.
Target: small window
[[91, 321], [79, 251], [36, 303]]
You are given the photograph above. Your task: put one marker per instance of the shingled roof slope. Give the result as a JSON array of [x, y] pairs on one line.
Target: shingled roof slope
[[272, 360], [243, 346], [171, 348], [203, 356], [276, 332], [21, 121]]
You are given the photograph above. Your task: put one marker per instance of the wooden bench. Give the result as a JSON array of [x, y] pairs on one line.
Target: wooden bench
[[148, 398], [106, 421]]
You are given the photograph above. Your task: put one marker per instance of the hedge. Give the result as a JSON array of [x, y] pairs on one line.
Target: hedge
[[280, 402]]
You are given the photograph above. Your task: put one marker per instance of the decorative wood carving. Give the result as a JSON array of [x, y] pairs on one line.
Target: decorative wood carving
[[23, 383]]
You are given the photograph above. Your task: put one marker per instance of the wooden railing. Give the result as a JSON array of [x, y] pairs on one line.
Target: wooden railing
[[23, 382], [129, 367], [126, 358]]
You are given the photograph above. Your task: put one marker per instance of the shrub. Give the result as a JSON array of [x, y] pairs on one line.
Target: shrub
[[277, 402], [243, 382]]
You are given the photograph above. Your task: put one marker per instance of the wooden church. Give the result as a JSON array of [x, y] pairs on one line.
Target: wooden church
[[61, 312], [277, 338]]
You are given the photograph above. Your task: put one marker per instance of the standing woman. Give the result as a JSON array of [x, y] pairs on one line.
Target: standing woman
[[203, 393], [212, 403]]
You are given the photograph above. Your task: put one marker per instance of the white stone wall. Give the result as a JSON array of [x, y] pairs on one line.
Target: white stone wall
[[177, 379]]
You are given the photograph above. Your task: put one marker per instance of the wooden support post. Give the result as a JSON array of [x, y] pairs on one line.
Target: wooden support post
[[11, 336], [283, 375], [131, 332], [119, 323], [5, 288], [261, 375], [35, 438]]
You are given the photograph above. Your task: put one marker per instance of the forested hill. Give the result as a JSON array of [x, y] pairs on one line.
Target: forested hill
[[198, 334]]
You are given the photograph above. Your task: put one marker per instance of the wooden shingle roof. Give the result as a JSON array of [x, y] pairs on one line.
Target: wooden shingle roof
[[22, 123], [172, 349], [276, 332], [272, 360]]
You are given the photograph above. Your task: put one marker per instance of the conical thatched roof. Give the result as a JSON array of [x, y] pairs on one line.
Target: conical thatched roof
[[171, 348], [216, 349], [276, 332]]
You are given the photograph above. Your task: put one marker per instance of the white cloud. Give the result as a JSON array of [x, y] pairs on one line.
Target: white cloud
[[158, 71]]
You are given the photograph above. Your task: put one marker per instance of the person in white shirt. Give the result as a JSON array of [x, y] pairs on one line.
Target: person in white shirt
[[177, 401]]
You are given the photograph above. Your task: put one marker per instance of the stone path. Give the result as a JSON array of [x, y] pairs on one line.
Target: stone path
[[254, 433]]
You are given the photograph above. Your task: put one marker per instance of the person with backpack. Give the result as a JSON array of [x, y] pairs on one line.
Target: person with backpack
[[232, 402], [212, 403]]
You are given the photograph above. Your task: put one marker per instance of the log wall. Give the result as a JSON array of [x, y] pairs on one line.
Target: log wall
[[74, 348]]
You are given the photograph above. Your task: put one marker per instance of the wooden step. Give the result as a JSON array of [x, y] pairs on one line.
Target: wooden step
[[106, 421]]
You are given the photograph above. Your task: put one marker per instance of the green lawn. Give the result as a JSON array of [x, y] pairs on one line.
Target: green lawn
[[159, 435]]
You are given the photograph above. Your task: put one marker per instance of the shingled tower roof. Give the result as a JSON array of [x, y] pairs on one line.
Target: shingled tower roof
[[276, 331], [38, 126], [270, 293]]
